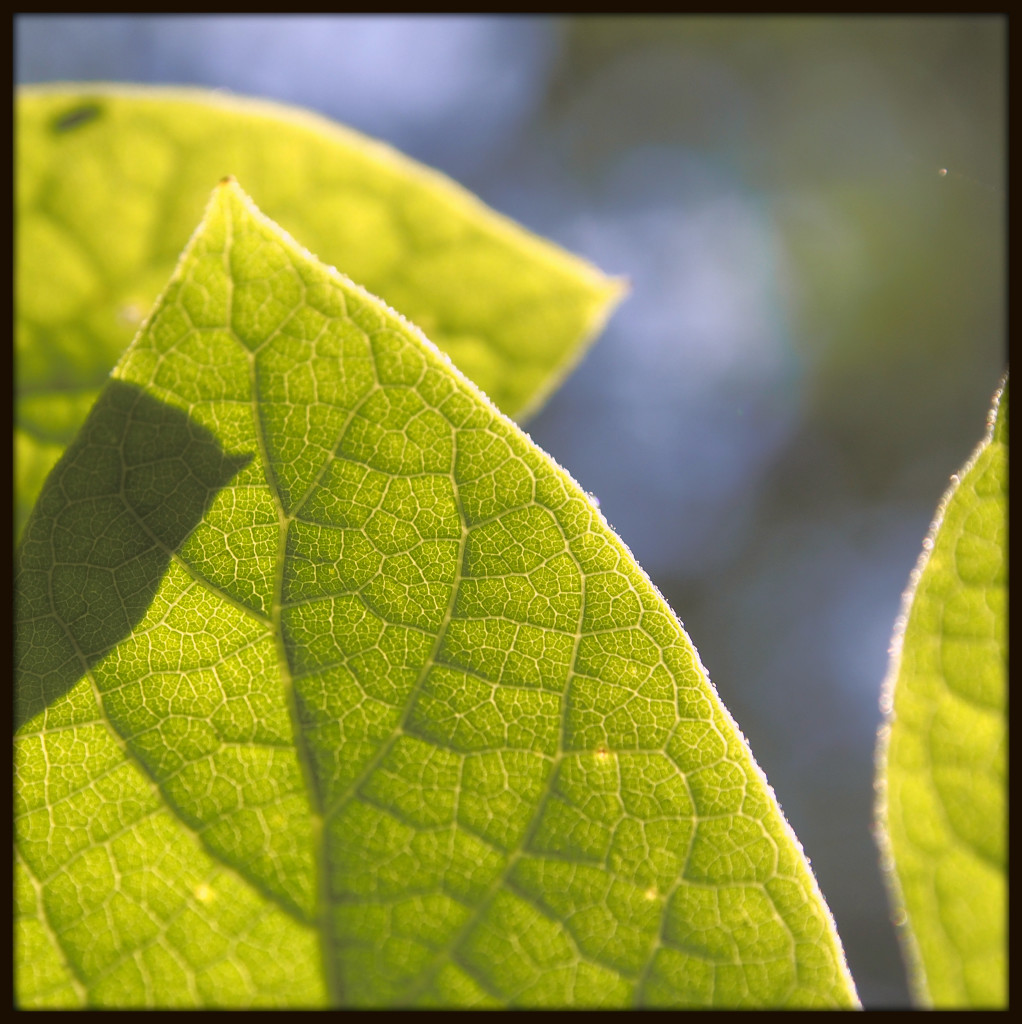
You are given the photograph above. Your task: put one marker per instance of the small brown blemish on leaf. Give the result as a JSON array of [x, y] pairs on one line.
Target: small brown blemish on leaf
[[78, 115]]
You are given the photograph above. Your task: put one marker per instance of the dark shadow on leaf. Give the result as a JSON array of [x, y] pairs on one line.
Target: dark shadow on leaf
[[133, 485]]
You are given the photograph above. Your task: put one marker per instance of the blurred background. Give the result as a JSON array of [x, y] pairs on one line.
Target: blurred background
[[811, 212]]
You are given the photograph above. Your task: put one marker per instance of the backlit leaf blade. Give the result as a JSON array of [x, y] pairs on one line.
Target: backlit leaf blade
[[943, 758], [382, 704], [111, 180]]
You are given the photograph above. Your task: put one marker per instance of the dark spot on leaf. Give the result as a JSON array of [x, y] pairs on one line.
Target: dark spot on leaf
[[78, 115]]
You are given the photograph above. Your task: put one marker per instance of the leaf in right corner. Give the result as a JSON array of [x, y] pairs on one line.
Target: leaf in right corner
[[943, 773]]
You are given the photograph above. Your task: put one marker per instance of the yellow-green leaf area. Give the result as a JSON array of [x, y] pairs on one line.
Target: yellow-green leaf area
[[358, 701], [943, 770], [111, 180]]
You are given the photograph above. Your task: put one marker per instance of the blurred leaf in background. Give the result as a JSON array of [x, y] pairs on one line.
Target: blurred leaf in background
[[110, 182]]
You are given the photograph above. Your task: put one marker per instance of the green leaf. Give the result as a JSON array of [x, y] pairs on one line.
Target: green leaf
[[943, 754], [112, 180], [333, 689]]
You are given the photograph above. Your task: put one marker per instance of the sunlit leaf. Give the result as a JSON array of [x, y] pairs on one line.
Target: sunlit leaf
[[334, 690], [943, 760]]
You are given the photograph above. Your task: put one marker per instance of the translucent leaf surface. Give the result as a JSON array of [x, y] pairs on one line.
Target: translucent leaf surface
[[112, 180], [943, 760], [334, 689]]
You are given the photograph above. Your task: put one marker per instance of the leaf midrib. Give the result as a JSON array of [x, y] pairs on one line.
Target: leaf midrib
[[321, 913], [321, 814]]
